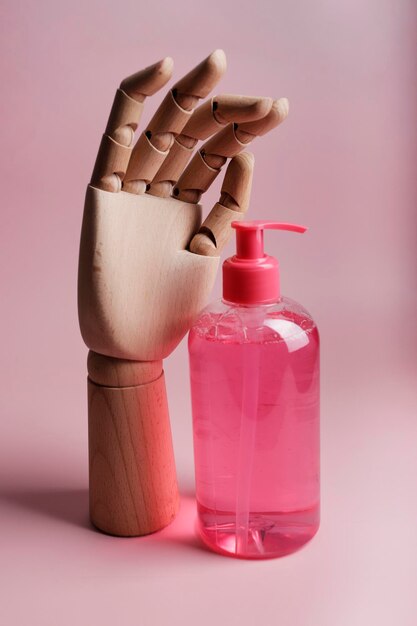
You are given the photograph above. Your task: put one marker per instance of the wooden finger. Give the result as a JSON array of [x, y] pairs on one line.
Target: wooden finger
[[226, 143], [153, 146], [194, 181], [169, 120], [110, 166], [215, 231], [202, 79], [207, 119], [211, 116], [247, 131], [116, 145], [148, 81]]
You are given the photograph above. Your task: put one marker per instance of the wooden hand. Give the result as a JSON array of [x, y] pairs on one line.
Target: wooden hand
[[146, 269]]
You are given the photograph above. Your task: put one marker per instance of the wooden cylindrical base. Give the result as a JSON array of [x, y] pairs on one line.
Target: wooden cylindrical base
[[133, 487]]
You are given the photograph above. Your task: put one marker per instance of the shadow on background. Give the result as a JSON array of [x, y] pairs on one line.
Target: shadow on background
[[66, 505], [71, 507]]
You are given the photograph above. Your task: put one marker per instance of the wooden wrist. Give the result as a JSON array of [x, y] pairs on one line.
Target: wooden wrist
[[133, 487]]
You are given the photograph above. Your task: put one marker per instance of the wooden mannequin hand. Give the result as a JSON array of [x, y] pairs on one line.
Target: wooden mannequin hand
[[146, 270], [140, 286]]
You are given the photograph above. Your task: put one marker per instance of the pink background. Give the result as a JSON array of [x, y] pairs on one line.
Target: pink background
[[344, 164]]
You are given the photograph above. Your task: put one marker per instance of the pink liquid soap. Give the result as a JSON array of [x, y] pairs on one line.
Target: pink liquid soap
[[255, 401], [254, 367]]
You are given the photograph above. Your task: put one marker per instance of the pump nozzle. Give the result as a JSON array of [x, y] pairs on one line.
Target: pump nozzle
[[251, 276]]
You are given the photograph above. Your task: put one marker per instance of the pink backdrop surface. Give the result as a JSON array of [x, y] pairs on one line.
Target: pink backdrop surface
[[344, 164]]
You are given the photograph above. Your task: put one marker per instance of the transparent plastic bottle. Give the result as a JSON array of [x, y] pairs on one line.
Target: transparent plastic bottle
[[255, 399]]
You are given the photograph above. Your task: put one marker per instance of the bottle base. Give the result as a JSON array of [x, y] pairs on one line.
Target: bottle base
[[265, 536]]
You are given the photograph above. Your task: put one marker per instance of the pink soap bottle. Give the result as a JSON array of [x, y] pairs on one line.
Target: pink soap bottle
[[254, 366]]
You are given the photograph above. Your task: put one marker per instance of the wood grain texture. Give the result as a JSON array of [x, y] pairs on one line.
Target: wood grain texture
[[214, 114], [246, 131], [133, 488], [170, 118], [124, 118], [111, 372], [139, 288], [196, 179], [146, 159], [224, 144], [209, 118], [206, 164], [173, 165], [215, 231], [202, 78], [148, 81], [110, 166], [153, 145]]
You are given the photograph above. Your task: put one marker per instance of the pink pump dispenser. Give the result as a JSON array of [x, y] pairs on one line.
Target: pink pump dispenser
[[254, 368], [252, 277]]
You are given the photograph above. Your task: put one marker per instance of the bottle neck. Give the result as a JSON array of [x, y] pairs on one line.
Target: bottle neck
[[252, 305]]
